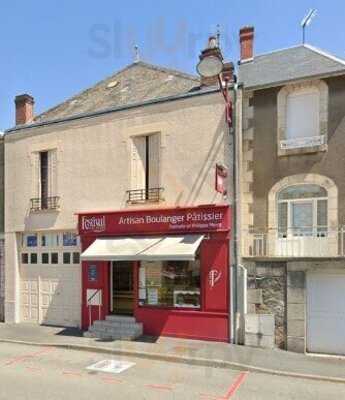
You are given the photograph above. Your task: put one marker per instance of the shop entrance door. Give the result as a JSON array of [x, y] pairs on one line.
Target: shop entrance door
[[121, 288]]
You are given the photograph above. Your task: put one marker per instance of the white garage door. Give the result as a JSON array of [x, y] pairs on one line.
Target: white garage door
[[326, 313], [51, 295]]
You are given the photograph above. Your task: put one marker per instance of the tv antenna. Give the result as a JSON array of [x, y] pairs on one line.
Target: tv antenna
[[136, 53], [307, 20], [218, 35]]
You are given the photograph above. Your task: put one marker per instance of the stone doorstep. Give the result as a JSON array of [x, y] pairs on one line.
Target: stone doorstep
[[135, 329], [119, 318], [117, 324]]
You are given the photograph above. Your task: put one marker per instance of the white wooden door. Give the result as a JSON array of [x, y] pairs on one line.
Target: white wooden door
[[30, 301], [326, 313]]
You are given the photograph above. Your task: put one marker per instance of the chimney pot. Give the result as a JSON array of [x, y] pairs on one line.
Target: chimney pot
[[24, 109], [246, 42]]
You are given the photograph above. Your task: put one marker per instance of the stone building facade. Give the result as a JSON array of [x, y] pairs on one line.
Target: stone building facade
[[292, 198]]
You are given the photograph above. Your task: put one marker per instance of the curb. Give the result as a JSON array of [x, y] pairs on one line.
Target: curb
[[181, 359]]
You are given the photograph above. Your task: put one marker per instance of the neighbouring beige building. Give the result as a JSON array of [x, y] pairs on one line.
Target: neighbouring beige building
[[87, 154], [292, 197]]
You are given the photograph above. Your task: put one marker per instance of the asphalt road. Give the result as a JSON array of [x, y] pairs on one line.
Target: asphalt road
[[38, 373]]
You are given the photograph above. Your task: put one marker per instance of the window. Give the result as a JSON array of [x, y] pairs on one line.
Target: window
[[45, 258], [31, 240], [302, 211], [33, 258], [76, 258], [25, 258], [67, 258], [302, 117], [50, 240], [54, 258], [302, 114], [145, 168], [69, 239], [44, 179], [170, 283]]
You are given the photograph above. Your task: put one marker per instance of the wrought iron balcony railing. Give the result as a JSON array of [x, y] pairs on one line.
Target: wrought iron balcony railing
[[45, 203], [292, 242], [145, 195]]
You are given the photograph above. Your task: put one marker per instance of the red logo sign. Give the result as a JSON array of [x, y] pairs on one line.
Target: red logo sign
[[192, 219], [93, 224], [213, 277]]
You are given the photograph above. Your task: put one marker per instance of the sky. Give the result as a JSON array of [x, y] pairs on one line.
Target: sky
[[54, 49]]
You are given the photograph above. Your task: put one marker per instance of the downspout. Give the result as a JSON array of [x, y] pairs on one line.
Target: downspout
[[235, 242]]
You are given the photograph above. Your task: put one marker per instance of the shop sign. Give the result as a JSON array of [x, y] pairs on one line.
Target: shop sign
[[213, 277], [194, 219], [221, 175], [92, 273], [152, 296], [93, 223]]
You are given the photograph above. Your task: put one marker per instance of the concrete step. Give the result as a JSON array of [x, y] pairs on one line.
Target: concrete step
[[115, 327], [117, 324], [115, 331], [120, 318]]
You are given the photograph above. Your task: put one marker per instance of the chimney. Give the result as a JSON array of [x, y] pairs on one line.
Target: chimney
[[246, 42], [24, 109], [228, 72]]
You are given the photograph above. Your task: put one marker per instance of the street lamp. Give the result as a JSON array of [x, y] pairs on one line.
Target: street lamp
[[211, 66]]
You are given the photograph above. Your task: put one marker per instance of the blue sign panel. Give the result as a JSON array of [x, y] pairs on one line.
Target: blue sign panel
[[92, 273]]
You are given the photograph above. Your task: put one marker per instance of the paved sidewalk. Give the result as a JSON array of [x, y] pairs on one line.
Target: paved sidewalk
[[186, 351]]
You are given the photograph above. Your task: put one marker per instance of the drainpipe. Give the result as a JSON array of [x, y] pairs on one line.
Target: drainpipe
[[237, 271]]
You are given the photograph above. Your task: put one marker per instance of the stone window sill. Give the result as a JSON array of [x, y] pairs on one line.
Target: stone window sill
[[302, 150]]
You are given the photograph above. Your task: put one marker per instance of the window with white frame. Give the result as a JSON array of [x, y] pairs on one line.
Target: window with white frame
[[302, 211], [50, 248], [302, 114]]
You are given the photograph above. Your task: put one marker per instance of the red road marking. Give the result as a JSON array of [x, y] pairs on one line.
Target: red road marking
[[235, 386], [161, 387], [71, 373], [111, 380], [33, 369], [28, 356]]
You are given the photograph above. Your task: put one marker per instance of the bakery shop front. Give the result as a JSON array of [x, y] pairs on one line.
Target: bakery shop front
[[169, 268]]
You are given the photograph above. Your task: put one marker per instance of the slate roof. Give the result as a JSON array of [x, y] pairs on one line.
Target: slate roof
[[136, 83], [286, 65]]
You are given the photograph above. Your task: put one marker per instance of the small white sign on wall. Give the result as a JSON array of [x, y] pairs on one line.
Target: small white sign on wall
[[94, 297]]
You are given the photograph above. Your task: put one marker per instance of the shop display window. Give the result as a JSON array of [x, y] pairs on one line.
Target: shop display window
[[170, 284]]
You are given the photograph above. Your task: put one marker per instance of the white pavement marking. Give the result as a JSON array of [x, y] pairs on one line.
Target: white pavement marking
[[111, 366]]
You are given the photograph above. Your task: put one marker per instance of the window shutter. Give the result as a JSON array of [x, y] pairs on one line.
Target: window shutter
[[52, 173], [138, 162], [154, 156], [36, 175], [302, 115]]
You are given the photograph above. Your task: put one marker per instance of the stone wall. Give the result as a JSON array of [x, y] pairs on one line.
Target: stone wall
[[267, 295], [2, 279]]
